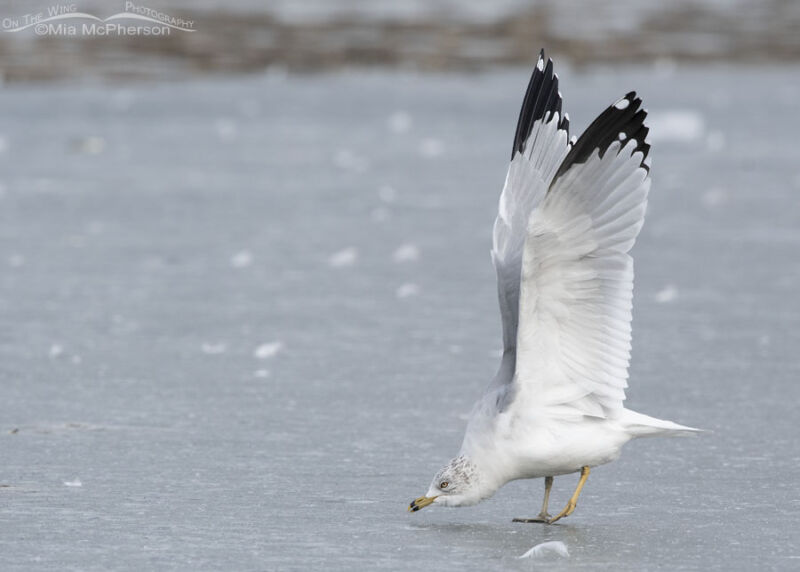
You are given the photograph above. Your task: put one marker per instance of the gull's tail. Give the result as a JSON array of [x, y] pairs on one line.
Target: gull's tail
[[640, 425]]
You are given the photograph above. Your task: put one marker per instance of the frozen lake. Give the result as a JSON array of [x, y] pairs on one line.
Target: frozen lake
[[244, 321]]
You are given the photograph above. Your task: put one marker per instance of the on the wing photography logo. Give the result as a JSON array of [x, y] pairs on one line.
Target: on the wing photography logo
[[67, 20]]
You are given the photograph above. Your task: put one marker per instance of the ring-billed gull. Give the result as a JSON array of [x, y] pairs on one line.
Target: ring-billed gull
[[569, 213]]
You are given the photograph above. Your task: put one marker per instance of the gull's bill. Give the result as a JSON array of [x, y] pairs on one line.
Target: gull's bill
[[419, 503]]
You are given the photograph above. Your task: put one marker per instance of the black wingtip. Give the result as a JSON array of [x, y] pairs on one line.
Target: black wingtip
[[542, 100], [622, 121]]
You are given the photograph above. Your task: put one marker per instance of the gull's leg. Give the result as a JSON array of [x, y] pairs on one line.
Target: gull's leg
[[573, 501], [543, 516]]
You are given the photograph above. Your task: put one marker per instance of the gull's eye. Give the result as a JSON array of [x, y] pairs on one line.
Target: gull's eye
[[443, 485]]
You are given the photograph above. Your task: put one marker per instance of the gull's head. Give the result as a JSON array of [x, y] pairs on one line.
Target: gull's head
[[456, 484]]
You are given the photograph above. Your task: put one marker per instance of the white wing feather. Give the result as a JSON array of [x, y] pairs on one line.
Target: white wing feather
[[540, 145], [573, 343]]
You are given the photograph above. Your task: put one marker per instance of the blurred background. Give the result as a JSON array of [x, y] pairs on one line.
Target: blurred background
[[437, 35], [247, 300]]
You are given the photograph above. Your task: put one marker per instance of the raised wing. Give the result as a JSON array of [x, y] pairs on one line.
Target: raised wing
[[577, 277], [540, 145]]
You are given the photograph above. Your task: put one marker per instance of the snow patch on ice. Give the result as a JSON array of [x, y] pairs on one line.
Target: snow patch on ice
[[399, 121], [546, 548], [56, 350], [679, 125], [431, 147], [242, 259], [261, 373], [214, 348], [226, 129], [379, 214], [667, 294], [73, 483], [714, 197], [16, 260], [406, 253], [407, 290], [343, 258], [268, 350], [347, 160], [91, 145], [387, 194]]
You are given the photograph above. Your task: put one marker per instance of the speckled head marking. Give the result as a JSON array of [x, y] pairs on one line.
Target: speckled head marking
[[455, 484]]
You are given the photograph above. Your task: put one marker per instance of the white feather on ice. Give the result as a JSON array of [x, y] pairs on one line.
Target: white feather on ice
[[546, 548]]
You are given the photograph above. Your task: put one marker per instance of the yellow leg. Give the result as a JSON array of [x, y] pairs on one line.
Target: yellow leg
[[543, 516], [573, 501]]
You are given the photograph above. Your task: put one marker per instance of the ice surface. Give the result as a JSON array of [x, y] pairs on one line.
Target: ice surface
[[193, 462], [676, 125]]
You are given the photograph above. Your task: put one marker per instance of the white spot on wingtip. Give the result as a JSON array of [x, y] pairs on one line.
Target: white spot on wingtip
[[540, 64], [622, 136], [622, 104]]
